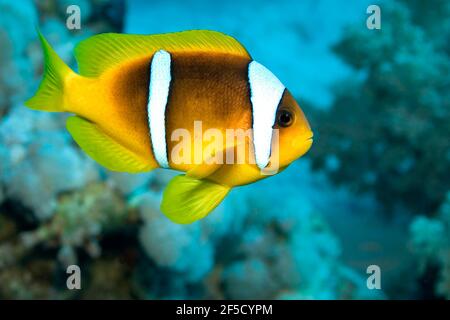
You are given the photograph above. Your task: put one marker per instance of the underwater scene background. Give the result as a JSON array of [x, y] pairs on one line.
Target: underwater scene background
[[373, 190]]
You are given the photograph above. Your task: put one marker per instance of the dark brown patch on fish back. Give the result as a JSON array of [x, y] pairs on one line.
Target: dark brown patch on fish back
[[213, 89], [129, 99], [131, 89]]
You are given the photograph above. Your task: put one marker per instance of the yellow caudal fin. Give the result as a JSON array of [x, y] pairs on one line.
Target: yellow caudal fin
[[49, 96], [100, 52], [186, 199], [103, 149]]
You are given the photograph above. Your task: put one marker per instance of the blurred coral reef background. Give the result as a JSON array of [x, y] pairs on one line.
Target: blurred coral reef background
[[374, 189]]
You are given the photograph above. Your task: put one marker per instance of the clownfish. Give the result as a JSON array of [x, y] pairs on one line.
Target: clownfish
[[139, 101]]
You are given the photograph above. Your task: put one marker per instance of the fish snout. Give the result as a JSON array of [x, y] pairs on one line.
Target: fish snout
[[302, 139], [303, 143]]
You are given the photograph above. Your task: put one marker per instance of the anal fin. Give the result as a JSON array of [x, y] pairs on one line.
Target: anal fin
[[103, 149]]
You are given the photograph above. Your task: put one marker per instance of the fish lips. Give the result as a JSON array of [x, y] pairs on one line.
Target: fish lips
[[303, 140], [303, 143]]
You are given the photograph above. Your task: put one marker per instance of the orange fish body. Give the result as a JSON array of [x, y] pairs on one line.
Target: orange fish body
[[192, 101]]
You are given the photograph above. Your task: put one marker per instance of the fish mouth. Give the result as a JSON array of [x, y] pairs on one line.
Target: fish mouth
[[309, 137], [304, 142]]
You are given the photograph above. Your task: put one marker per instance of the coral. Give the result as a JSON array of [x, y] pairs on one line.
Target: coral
[[249, 279], [289, 251], [248, 248], [127, 184], [28, 281], [35, 155], [17, 21], [387, 130], [2, 194], [35, 149], [430, 241], [428, 237], [53, 204], [443, 285], [81, 219], [109, 280], [182, 248]]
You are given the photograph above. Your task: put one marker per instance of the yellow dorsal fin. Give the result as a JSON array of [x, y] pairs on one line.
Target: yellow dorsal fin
[[186, 200], [100, 52], [103, 149]]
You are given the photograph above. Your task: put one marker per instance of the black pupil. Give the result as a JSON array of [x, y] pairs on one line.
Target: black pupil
[[285, 118]]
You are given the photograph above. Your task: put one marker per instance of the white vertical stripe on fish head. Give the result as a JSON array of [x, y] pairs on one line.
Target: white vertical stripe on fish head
[[266, 92], [160, 78]]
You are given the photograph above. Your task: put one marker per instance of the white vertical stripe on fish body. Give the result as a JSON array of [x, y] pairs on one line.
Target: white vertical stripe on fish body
[[266, 92], [160, 78]]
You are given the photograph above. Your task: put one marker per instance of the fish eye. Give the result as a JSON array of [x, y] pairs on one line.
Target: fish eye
[[285, 118]]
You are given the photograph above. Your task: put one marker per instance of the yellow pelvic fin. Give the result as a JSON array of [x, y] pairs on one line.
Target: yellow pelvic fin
[[49, 96], [100, 52], [186, 200], [103, 149]]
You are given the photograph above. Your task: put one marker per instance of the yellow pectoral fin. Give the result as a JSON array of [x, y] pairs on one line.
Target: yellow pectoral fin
[[204, 169], [186, 200], [103, 149], [210, 165]]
